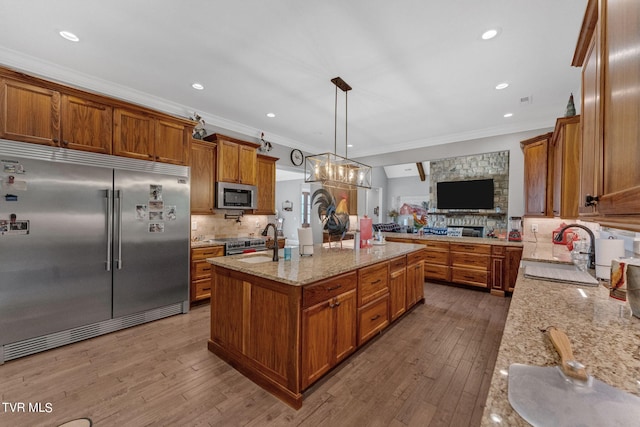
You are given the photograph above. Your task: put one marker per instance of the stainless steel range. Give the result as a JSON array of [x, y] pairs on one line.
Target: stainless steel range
[[241, 245]]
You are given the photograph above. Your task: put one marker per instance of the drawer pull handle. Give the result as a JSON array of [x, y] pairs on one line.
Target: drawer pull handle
[[206, 269], [206, 289], [334, 305], [376, 317], [376, 281], [333, 288]]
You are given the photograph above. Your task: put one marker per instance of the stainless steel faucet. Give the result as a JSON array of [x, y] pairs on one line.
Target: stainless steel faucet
[[275, 239], [592, 246]]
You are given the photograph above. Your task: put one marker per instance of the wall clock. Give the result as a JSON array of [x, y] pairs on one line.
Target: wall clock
[[297, 157]]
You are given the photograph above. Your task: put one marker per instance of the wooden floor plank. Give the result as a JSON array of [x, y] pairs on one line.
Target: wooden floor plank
[[432, 368]]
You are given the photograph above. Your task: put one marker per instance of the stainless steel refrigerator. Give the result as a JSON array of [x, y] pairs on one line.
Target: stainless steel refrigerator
[[89, 244]]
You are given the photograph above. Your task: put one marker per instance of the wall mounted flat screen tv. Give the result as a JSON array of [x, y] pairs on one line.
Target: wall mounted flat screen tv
[[471, 194]]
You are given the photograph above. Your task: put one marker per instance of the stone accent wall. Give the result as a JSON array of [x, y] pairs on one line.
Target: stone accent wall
[[479, 166]]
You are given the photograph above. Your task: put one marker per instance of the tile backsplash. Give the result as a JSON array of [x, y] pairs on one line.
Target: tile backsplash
[[547, 225], [216, 226]]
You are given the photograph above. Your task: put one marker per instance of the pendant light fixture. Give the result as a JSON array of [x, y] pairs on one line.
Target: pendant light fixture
[[331, 169]]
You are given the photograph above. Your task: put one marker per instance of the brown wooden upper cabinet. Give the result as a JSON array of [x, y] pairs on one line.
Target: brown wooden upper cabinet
[[39, 115], [86, 125], [611, 112], [237, 160], [29, 113], [566, 167], [203, 175], [552, 172], [41, 112], [266, 182], [537, 176], [143, 136]]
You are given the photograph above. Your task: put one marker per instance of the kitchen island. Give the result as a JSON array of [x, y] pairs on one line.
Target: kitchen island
[[605, 337], [286, 324]]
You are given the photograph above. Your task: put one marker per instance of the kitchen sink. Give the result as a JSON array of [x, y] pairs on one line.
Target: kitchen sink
[[556, 272], [554, 265], [256, 259]]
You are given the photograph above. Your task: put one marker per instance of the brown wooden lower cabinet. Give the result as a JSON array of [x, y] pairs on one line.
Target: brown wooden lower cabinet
[[511, 267], [200, 288], [436, 260], [498, 269], [415, 278], [481, 265]]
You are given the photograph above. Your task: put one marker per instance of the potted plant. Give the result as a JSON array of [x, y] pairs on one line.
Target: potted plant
[[393, 214]]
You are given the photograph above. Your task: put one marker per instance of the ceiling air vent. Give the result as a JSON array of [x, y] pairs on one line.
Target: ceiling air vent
[[526, 100]]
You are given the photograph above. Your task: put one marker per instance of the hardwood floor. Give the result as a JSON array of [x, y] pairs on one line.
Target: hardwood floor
[[432, 368]]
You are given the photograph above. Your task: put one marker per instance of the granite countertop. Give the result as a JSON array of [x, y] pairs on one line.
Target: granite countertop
[[605, 337], [206, 243], [324, 263], [477, 240]]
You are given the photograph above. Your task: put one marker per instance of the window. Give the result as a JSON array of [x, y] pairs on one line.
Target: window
[[305, 202]]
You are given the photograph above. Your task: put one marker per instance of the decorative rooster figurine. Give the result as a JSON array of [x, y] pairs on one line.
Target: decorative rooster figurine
[[335, 219]]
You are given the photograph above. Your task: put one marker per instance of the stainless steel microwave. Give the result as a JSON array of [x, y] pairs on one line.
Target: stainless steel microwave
[[230, 195]]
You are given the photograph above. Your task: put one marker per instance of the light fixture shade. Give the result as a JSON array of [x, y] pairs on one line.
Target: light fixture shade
[[334, 170], [331, 169]]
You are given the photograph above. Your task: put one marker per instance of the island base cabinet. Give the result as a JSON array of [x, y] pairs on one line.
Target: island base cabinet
[[284, 336], [373, 318], [254, 327], [328, 335], [398, 293], [397, 287]]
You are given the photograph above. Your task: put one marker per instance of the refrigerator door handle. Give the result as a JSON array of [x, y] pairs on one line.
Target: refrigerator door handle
[[119, 218], [109, 197]]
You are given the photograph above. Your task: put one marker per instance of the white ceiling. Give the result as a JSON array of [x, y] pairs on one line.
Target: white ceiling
[[410, 169], [421, 75]]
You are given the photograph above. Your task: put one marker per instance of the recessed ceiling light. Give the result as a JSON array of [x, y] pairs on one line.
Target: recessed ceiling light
[[489, 34], [69, 36], [508, 115], [502, 86], [197, 86], [271, 115]]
